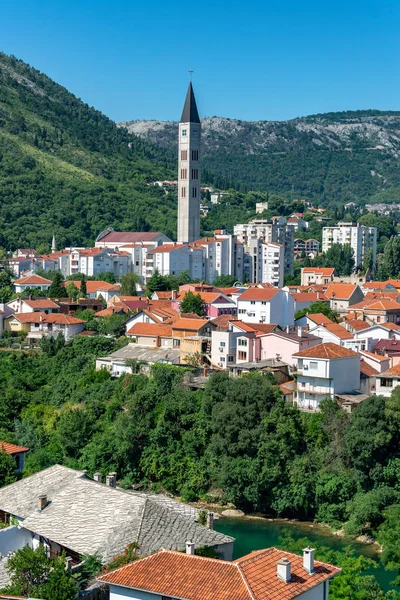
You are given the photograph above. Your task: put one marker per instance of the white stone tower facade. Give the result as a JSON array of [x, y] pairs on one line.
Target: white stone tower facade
[[189, 171]]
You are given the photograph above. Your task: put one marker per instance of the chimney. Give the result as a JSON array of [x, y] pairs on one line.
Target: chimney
[[98, 477], [173, 295], [308, 560], [300, 331], [111, 480], [42, 502], [189, 548], [210, 520], [284, 569], [287, 329]]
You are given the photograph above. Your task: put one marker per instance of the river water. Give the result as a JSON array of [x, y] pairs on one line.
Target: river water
[[255, 534]]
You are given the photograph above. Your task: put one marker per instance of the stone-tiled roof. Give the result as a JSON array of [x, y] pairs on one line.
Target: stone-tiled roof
[[89, 517]]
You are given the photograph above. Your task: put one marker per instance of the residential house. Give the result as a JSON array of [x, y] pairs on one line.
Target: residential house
[[324, 371], [215, 304], [115, 239], [312, 320], [317, 275], [377, 311], [69, 512], [266, 305], [378, 362], [119, 362], [17, 452], [305, 299], [387, 381], [68, 305], [343, 295], [28, 305], [151, 334], [336, 334], [31, 282], [262, 575], [390, 349], [377, 335], [39, 324], [95, 288], [368, 375], [284, 344]]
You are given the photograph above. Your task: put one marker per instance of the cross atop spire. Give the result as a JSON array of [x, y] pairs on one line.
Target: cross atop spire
[[190, 113]]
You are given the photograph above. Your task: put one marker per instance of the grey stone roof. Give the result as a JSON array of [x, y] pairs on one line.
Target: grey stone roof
[[190, 113], [4, 574], [143, 353], [90, 517]]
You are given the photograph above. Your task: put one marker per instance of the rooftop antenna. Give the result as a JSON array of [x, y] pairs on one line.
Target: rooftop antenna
[[191, 73]]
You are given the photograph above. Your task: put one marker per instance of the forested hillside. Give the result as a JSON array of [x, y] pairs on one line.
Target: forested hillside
[[333, 157], [66, 168]]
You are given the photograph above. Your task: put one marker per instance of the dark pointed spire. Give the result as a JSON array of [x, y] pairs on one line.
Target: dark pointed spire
[[190, 113]]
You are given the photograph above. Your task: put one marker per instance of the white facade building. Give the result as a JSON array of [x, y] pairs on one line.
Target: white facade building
[[323, 371], [360, 237], [266, 305], [272, 264]]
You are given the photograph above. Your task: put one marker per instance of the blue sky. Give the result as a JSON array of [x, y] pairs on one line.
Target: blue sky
[[261, 59]]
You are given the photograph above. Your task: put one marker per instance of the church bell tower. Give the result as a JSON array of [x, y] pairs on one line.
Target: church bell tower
[[189, 171]]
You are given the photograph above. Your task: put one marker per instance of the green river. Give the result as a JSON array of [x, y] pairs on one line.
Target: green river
[[254, 534]]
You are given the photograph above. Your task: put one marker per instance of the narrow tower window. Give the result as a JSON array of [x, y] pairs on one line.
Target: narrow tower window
[[183, 173], [195, 173], [183, 192], [195, 155], [194, 192], [184, 154]]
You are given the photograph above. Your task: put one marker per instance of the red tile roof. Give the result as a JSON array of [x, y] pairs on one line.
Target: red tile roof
[[260, 294], [341, 291], [32, 280], [222, 322], [151, 330], [41, 303], [358, 324], [367, 370], [12, 448], [309, 297], [207, 297], [39, 317], [384, 305], [321, 271], [393, 372], [253, 577], [375, 285], [128, 237], [328, 350], [166, 248], [390, 345], [377, 357], [338, 330]]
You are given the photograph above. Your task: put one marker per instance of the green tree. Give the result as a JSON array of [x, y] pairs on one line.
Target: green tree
[[391, 259], [341, 257], [156, 283], [60, 584], [72, 291], [318, 307], [129, 283], [192, 303], [83, 288], [224, 281], [57, 290], [7, 468]]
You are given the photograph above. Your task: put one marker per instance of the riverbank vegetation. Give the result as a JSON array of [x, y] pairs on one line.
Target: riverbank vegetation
[[237, 441]]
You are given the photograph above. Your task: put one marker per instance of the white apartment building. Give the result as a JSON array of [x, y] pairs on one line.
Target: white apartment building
[[360, 237], [174, 259], [323, 371], [222, 255], [266, 305], [265, 231], [92, 261], [272, 264]]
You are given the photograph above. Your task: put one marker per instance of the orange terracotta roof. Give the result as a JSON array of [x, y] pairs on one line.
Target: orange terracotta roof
[[377, 357], [358, 324], [367, 370], [384, 305], [375, 285], [393, 326], [263, 328], [319, 318], [92, 286], [39, 317], [339, 331], [260, 294], [222, 322], [32, 280], [394, 372], [151, 330], [207, 297], [321, 271], [252, 577], [41, 303], [12, 448], [328, 350], [382, 295], [309, 297], [164, 295], [189, 324], [394, 282], [341, 291], [166, 248], [245, 326]]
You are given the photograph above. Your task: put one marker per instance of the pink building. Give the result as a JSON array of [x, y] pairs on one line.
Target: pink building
[[215, 304]]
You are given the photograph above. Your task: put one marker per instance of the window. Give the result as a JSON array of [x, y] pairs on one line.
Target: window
[[195, 132], [230, 358], [222, 358], [263, 303], [184, 154], [183, 193], [184, 132], [242, 311], [176, 342], [242, 355], [242, 342], [222, 344], [195, 173], [386, 382], [313, 364], [183, 173], [252, 301], [194, 192], [195, 155]]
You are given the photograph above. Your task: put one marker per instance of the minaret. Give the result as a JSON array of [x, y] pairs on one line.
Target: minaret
[[53, 244], [189, 171]]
